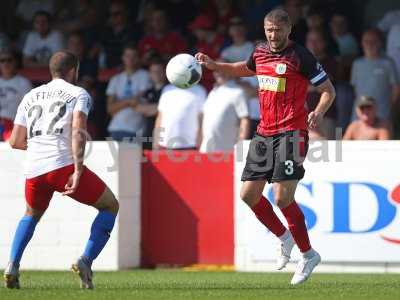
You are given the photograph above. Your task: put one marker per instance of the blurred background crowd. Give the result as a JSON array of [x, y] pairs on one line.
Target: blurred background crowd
[[124, 46]]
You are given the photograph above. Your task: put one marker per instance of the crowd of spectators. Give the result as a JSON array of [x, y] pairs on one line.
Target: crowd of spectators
[[124, 46]]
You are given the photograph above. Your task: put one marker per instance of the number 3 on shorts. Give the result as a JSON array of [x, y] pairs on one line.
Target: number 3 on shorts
[[289, 167]]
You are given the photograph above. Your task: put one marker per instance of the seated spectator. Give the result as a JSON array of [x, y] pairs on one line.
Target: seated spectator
[[178, 123], [367, 126], [375, 75], [149, 101], [207, 41], [13, 88], [122, 92], [116, 35], [317, 44], [241, 48], [346, 42], [225, 116], [161, 39], [42, 42], [77, 45]]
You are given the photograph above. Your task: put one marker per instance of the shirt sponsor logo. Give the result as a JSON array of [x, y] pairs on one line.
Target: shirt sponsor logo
[[280, 69], [273, 84]]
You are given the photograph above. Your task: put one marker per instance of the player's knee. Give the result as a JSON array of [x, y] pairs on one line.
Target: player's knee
[[36, 214], [249, 197], [114, 206], [281, 198]]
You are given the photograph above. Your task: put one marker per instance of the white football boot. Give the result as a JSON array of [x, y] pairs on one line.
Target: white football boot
[[284, 250], [305, 266]]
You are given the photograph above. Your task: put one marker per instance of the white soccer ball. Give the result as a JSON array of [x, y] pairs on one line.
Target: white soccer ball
[[183, 71]]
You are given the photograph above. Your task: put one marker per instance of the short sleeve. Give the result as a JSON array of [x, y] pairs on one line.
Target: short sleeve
[[310, 67], [83, 102], [20, 116], [112, 87], [241, 108], [251, 63]]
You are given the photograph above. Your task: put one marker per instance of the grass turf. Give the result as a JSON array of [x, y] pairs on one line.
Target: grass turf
[[167, 284]]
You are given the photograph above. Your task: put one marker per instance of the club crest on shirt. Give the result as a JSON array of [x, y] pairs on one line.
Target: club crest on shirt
[[280, 69]]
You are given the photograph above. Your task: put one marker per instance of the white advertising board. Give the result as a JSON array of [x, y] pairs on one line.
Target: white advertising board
[[350, 196], [61, 235]]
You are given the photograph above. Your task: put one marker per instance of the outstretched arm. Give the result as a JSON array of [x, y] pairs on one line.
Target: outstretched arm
[[238, 69]]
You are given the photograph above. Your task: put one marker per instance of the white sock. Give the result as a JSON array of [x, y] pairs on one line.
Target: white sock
[[308, 254], [285, 236]]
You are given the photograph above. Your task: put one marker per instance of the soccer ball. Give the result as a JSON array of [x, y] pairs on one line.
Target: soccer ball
[[183, 71]]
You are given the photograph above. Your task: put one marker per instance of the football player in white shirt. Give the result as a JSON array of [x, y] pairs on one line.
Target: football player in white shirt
[[50, 124]]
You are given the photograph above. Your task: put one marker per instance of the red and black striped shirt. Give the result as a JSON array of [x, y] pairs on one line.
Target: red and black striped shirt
[[283, 79]]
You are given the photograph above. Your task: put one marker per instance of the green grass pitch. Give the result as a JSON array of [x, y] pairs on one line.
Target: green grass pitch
[[174, 285]]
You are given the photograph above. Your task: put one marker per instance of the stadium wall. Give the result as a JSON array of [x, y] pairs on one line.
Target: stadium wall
[[61, 235]]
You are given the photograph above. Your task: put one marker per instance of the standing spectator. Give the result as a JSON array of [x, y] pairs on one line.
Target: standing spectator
[[346, 42], [161, 40], [178, 124], [241, 48], [375, 75], [123, 92], [317, 44], [225, 116], [207, 41], [42, 42], [149, 102], [118, 34], [13, 88], [77, 45], [367, 126]]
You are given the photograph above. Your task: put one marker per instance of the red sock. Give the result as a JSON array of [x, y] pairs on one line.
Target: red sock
[[297, 226], [265, 213]]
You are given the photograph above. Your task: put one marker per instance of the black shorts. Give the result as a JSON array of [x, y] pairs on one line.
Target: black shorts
[[276, 158]]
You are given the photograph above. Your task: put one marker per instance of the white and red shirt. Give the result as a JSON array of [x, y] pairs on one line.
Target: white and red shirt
[[46, 112]]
